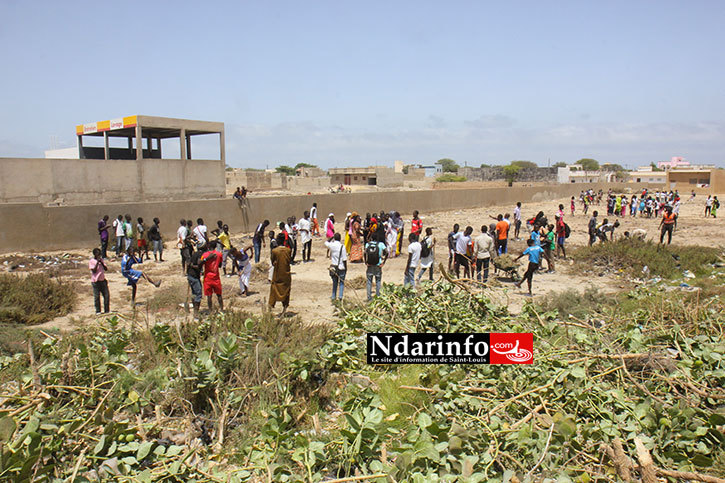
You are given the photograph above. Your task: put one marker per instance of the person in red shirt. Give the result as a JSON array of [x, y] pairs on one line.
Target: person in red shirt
[[416, 225], [560, 235], [212, 283]]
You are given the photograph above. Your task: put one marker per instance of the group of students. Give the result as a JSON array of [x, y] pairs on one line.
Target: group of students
[[125, 233], [475, 253]]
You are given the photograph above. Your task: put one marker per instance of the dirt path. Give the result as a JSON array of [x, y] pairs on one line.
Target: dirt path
[[311, 283]]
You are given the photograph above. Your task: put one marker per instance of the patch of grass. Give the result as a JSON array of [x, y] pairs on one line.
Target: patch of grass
[[633, 255], [574, 303], [450, 178], [34, 299], [167, 297]]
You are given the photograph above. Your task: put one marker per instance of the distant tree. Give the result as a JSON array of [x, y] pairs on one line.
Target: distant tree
[[284, 169], [511, 172], [588, 164], [228, 168], [448, 165], [560, 164], [304, 165], [654, 167], [484, 165], [524, 164], [612, 167], [450, 178], [621, 175]]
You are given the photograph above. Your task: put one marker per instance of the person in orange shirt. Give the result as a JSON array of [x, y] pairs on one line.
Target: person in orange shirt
[[667, 225], [502, 228]]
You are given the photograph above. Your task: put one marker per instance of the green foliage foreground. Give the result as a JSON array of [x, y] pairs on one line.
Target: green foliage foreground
[[240, 398]]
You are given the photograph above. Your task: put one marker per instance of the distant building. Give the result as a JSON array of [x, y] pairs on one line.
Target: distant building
[[675, 162], [689, 177], [382, 176], [430, 170], [575, 174], [62, 153], [645, 174], [310, 172]]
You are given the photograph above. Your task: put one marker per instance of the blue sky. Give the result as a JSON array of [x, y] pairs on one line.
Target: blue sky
[[340, 83]]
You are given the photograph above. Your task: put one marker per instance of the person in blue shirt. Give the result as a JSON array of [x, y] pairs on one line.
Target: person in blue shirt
[[534, 252]]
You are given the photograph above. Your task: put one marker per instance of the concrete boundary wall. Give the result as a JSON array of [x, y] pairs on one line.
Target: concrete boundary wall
[[34, 227]]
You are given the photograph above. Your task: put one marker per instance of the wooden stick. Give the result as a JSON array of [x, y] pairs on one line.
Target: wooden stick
[[358, 478], [543, 453], [688, 475], [646, 465], [523, 394]]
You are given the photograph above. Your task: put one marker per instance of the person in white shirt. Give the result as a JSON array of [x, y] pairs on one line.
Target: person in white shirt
[[120, 234], [517, 220], [483, 247], [338, 265], [414, 249], [200, 233], [427, 245], [462, 260], [304, 226], [313, 221]]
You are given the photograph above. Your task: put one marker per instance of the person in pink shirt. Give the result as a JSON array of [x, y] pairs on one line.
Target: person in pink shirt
[[330, 226], [98, 281]]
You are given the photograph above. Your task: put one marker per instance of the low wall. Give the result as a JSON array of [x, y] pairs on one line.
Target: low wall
[[33, 227], [75, 181]]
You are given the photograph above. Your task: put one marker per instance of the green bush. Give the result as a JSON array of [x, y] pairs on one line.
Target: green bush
[[663, 261], [450, 178], [34, 299]]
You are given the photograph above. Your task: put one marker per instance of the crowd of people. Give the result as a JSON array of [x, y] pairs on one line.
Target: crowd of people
[[368, 240]]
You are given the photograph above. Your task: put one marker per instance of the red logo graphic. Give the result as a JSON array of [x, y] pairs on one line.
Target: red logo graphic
[[512, 348]]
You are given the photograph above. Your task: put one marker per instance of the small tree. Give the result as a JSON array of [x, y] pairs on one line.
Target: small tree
[[524, 164], [511, 172], [621, 175], [560, 164], [654, 167], [612, 167], [448, 165], [484, 165], [588, 164], [284, 169], [305, 165]]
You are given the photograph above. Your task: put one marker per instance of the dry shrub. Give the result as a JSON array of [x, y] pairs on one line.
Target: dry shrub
[[34, 299]]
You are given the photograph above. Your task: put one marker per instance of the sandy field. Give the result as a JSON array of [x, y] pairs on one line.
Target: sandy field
[[311, 284]]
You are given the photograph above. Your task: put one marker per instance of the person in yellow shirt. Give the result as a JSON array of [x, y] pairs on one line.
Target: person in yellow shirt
[[226, 248]]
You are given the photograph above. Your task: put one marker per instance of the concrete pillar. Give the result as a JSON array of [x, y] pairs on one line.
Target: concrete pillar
[[222, 152], [158, 141], [80, 147], [130, 142], [106, 155], [149, 146], [188, 147], [182, 141], [139, 143]]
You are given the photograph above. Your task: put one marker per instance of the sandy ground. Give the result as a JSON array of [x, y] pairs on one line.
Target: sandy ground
[[311, 284]]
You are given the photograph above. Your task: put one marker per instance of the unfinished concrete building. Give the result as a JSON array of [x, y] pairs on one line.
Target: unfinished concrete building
[[127, 165]]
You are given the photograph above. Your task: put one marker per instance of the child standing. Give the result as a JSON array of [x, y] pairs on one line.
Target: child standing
[[98, 281]]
